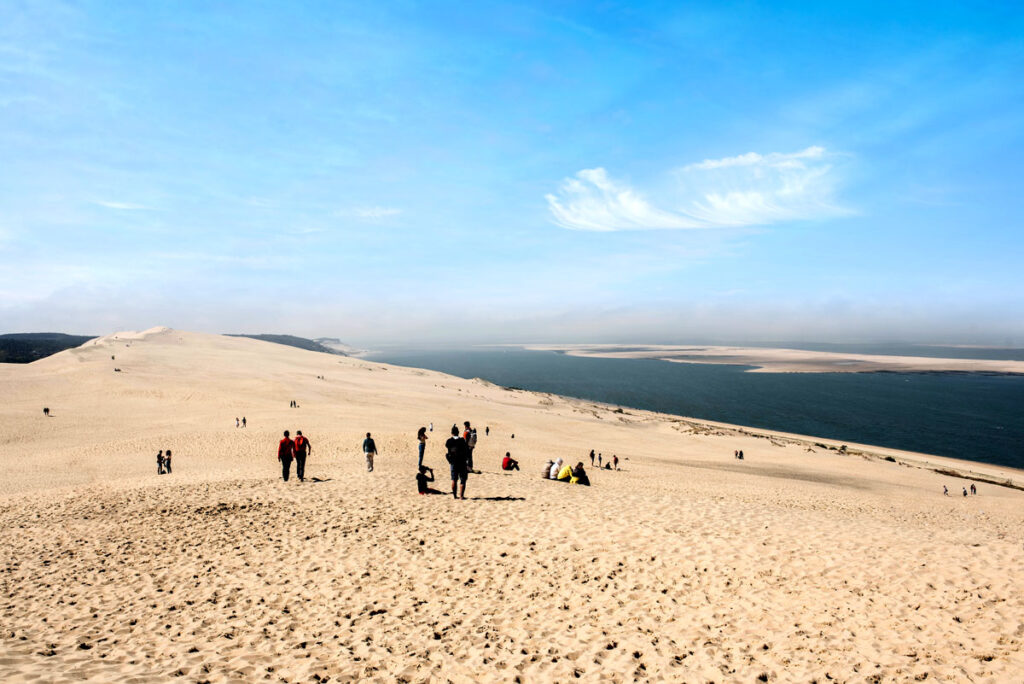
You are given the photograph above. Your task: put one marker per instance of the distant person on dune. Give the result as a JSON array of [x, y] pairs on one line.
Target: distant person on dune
[[457, 455], [243, 421], [615, 461], [599, 460], [160, 463], [285, 454], [965, 491], [974, 490], [167, 462], [487, 431], [591, 458], [945, 490], [46, 412], [302, 448], [509, 463], [369, 451], [236, 421], [421, 437]]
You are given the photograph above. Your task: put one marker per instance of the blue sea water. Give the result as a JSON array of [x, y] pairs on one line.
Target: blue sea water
[[973, 417]]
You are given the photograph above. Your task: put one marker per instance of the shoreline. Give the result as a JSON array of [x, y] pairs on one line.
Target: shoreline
[[786, 360]]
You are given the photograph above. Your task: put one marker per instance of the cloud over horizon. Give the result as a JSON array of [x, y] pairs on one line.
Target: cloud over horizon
[[746, 190]]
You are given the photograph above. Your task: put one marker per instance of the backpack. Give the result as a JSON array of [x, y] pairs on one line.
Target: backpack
[[300, 444], [472, 438]]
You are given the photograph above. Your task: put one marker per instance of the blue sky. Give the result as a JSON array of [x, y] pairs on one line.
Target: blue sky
[[483, 172]]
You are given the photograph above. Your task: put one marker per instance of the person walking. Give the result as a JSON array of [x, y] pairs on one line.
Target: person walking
[[487, 431], [167, 461], [285, 454], [160, 463], [470, 437], [974, 490], [591, 458], [243, 421], [369, 451], [458, 462], [615, 461], [302, 448], [421, 437], [236, 421]]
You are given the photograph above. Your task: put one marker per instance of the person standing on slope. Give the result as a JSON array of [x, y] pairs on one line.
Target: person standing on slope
[[421, 437], [302, 447], [470, 436], [458, 462], [285, 454], [369, 451]]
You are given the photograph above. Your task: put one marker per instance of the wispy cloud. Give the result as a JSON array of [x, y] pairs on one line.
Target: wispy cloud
[[121, 206], [375, 213], [746, 190]]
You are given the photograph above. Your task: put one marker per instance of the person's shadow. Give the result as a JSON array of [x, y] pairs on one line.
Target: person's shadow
[[319, 479], [431, 490], [497, 498]]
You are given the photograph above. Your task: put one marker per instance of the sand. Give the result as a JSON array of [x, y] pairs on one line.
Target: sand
[[798, 563], [765, 360]]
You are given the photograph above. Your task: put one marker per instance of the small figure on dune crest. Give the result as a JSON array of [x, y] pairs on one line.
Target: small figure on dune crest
[[46, 412], [945, 490], [243, 421], [591, 458], [421, 437], [285, 454], [974, 490], [965, 491], [487, 431], [457, 455], [369, 451], [160, 463], [302, 446], [167, 462], [423, 478], [615, 461], [509, 463]]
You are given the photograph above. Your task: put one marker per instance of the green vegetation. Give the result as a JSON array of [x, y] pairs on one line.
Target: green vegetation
[[29, 347]]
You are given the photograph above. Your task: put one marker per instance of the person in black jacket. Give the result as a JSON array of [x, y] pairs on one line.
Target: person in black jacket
[[458, 461]]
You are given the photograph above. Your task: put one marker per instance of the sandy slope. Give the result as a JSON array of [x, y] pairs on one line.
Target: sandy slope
[[687, 565]]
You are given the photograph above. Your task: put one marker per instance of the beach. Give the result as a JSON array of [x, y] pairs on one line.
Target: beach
[[768, 360], [802, 562]]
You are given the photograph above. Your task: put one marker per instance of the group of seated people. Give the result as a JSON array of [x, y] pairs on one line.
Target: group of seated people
[[556, 470]]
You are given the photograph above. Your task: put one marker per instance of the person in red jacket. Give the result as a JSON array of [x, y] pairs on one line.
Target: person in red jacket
[[302, 447], [285, 454]]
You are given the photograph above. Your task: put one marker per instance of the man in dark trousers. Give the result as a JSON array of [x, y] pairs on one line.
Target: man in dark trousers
[[458, 461], [302, 447], [285, 454]]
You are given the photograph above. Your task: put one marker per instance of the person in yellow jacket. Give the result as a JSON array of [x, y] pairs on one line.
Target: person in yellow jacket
[[565, 473]]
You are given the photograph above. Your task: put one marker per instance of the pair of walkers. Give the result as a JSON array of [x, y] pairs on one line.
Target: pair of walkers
[[297, 450], [163, 462]]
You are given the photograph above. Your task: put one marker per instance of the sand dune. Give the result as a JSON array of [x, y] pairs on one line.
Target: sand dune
[[765, 360], [687, 565]]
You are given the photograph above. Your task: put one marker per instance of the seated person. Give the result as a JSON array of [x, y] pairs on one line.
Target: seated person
[[422, 479], [555, 467], [608, 466], [509, 463], [565, 474], [579, 475]]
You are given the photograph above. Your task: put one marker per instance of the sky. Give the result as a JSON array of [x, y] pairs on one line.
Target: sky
[[416, 173]]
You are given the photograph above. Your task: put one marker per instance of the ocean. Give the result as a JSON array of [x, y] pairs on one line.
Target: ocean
[[971, 417]]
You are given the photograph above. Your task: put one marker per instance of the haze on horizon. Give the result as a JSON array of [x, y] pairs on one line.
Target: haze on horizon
[[452, 173]]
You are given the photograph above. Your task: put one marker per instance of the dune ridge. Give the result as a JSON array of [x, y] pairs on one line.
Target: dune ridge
[[686, 565]]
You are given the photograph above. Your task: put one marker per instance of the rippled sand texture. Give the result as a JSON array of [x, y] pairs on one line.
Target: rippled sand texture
[[686, 565]]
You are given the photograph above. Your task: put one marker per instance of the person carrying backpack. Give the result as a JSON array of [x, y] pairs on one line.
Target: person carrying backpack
[[302, 446], [470, 436], [285, 454]]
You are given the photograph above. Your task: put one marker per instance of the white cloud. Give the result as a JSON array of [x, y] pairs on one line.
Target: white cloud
[[375, 213], [747, 190], [121, 206]]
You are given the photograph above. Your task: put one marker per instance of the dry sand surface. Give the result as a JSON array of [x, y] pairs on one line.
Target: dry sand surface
[[767, 360], [797, 564]]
